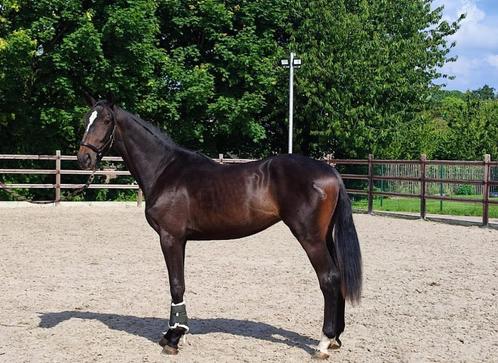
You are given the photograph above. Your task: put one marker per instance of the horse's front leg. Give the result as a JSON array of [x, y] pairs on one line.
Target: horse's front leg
[[174, 252]]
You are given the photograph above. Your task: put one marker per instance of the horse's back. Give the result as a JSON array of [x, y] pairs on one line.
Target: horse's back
[[264, 185]]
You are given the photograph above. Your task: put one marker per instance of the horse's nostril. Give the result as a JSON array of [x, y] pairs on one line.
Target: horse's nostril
[[85, 160]]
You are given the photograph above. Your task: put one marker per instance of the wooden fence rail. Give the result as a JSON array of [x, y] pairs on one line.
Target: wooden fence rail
[[423, 180], [421, 177], [58, 171]]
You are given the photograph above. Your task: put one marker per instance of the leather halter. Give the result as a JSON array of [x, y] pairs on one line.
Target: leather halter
[[107, 145]]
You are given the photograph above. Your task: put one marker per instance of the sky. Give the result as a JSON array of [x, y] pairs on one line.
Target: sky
[[476, 44]]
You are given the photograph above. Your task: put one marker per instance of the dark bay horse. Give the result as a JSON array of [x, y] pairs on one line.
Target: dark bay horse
[[190, 197]]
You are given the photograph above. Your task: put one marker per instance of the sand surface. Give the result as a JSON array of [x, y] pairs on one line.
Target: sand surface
[[89, 284]]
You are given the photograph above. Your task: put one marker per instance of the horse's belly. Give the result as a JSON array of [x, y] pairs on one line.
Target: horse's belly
[[226, 226], [232, 211]]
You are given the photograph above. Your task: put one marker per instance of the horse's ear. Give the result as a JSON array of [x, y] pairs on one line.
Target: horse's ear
[[89, 99], [110, 99]]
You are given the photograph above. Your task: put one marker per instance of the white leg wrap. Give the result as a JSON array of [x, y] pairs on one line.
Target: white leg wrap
[[179, 325], [324, 344]]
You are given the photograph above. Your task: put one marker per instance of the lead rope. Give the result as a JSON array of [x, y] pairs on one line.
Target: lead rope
[[21, 198]]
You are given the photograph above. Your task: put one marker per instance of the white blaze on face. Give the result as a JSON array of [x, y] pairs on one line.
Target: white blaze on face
[[92, 118]]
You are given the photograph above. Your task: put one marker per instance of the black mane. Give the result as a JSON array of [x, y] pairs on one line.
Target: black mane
[[152, 129], [163, 138]]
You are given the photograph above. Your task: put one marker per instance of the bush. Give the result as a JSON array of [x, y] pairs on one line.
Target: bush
[[465, 190]]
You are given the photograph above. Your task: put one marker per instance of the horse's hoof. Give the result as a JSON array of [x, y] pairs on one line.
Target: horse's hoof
[[169, 350], [163, 342], [335, 344], [321, 355]]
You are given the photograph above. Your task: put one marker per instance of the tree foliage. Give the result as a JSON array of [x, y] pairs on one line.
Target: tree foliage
[[463, 126], [371, 67], [206, 71], [202, 70]]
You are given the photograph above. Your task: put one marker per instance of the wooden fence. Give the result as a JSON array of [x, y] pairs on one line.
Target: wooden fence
[[419, 176], [423, 177], [58, 171]]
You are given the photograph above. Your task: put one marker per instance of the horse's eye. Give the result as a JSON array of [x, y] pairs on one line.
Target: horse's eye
[[107, 121]]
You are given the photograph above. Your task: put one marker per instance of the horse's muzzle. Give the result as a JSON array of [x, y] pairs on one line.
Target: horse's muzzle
[[86, 160]]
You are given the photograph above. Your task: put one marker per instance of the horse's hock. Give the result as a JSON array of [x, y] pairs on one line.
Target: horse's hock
[[88, 283]]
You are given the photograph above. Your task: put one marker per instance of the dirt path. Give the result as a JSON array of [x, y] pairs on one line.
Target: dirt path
[[88, 284]]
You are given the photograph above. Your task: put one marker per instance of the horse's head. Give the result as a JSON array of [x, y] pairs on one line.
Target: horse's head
[[99, 132]]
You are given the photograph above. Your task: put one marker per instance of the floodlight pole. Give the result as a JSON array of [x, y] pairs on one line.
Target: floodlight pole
[[291, 99], [292, 63]]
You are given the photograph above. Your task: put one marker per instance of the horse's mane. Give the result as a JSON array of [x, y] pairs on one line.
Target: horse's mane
[[153, 130], [162, 137]]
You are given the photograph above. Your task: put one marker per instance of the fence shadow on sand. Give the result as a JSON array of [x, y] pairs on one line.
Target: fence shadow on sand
[[151, 328]]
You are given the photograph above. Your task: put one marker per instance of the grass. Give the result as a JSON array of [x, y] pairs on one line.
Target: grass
[[433, 206]]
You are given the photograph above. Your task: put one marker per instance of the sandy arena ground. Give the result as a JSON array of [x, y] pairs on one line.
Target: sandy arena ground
[[88, 284]]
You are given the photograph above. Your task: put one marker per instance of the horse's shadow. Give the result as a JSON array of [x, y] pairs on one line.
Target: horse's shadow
[[150, 328]]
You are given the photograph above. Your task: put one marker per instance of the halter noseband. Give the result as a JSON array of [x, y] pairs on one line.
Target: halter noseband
[[100, 151]]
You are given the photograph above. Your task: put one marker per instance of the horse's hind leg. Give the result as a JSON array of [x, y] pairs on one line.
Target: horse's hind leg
[[329, 280]]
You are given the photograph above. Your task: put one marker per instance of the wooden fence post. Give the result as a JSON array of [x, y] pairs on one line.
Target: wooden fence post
[[441, 188], [140, 197], [485, 190], [423, 208], [221, 158], [370, 184], [57, 177]]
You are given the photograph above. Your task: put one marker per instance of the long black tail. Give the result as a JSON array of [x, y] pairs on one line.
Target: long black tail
[[347, 247]]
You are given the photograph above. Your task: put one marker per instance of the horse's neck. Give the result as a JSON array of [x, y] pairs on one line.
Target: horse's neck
[[143, 153]]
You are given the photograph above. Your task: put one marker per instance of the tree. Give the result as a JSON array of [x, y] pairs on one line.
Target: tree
[[463, 129], [53, 50], [236, 46], [202, 70], [368, 70], [206, 71], [485, 93]]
